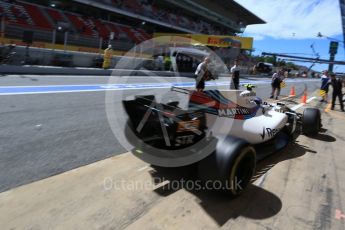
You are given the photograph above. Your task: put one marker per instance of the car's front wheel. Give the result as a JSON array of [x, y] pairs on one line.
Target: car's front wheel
[[311, 121]]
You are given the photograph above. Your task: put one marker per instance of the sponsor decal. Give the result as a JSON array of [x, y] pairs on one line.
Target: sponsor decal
[[185, 126], [184, 140], [223, 107], [268, 132], [231, 112]]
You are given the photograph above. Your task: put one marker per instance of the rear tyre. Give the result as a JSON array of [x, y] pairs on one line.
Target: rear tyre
[[230, 168], [311, 121]]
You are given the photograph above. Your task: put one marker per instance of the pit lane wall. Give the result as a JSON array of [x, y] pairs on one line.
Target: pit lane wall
[[53, 70], [40, 53]]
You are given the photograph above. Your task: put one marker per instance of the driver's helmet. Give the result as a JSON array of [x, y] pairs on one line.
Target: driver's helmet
[[249, 86]]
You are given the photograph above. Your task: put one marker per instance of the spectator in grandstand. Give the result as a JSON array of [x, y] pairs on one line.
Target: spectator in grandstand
[[235, 76], [337, 85], [202, 74], [277, 78], [325, 81]]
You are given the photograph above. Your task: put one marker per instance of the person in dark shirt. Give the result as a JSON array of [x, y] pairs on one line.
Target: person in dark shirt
[[337, 85], [277, 79]]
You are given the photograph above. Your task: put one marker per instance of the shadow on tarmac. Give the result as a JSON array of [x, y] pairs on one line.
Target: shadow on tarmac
[[255, 203], [323, 137]]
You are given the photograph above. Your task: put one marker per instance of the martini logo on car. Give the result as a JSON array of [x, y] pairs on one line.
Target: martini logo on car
[[270, 132], [231, 112]]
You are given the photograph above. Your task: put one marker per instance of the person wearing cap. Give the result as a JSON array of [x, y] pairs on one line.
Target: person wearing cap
[[337, 85], [325, 81]]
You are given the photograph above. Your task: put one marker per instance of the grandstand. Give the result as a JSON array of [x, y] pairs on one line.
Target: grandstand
[[122, 23]]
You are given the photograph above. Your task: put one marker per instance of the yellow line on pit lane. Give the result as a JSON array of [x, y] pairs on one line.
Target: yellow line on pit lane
[[328, 108], [333, 113]]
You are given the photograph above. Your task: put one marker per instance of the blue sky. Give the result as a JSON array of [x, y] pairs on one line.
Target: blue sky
[[292, 26]]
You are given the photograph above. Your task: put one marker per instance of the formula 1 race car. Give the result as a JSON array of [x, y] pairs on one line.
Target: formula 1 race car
[[224, 133]]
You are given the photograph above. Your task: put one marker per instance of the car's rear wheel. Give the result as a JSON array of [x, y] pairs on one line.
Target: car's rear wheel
[[232, 166], [311, 121]]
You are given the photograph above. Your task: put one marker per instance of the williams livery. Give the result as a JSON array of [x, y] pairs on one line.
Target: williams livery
[[223, 133], [213, 102]]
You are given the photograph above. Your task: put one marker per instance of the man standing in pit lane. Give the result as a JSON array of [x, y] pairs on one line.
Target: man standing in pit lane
[[325, 81], [235, 76], [337, 85], [201, 74], [277, 78], [108, 55]]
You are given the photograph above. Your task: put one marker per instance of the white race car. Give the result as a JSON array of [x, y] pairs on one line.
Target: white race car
[[224, 133]]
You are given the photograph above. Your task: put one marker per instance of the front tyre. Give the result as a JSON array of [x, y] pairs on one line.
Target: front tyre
[[311, 121], [232, 165]]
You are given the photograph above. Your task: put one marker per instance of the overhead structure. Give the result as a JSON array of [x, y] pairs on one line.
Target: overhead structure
[[304, 59], [225, 14], [342, 11]]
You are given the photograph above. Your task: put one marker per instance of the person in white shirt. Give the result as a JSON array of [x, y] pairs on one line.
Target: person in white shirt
[[325, 82], [201, 74], [235, 76]]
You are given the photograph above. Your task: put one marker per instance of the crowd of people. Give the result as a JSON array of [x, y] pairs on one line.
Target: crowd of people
[[149, 8], [202, 74]]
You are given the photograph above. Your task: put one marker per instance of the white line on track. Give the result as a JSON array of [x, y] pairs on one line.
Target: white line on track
[[143, 168], [261, 180], [302, 104]]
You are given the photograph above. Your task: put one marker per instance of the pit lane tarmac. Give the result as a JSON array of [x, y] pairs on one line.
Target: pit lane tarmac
[[301, 187]]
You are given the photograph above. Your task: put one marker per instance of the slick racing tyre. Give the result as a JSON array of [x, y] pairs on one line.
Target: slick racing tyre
[[231, 166], [311, 121]]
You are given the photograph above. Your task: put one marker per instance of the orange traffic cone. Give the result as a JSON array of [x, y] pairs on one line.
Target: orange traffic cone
[[292, 91], [304, 97]]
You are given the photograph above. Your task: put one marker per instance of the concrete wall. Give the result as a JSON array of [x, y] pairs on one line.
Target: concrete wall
[[40, 56]]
